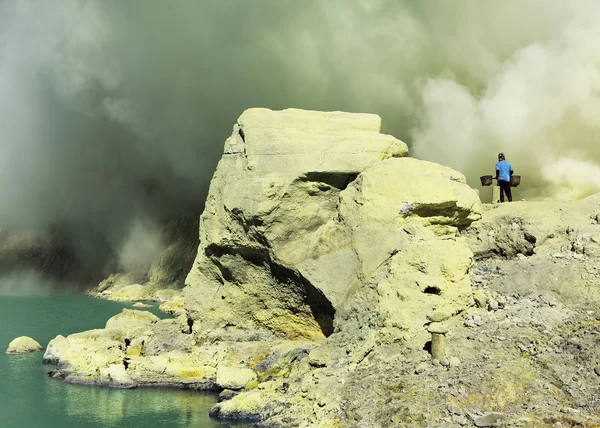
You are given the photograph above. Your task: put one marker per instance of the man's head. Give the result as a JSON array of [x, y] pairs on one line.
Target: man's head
[[501, 156]]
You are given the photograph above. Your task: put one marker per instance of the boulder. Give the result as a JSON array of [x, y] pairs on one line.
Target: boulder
[[23, 345], [234, 377], [326, 355], [309, 212], [248, 406], [54, 349], [84, 354], [130, 320], [173, 305]]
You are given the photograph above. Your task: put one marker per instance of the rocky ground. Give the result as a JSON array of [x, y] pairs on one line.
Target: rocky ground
[[520, 357], [527, 354]]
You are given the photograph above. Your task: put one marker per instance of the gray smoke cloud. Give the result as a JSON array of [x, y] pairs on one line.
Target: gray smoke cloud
[[114, 111]]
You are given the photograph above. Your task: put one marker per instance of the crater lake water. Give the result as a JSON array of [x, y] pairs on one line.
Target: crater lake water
[[31, 399]]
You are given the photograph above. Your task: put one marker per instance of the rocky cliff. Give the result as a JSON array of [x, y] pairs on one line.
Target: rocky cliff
[[317, 221], [332, 269]]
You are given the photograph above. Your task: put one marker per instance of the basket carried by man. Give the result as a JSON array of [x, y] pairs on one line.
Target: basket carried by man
[[486, 180]]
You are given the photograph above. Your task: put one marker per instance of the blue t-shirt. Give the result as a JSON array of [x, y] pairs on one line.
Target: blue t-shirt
[[504, 168]]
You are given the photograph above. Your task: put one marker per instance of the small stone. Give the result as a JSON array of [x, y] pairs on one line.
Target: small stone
[[141, 305], [234, 377], [227, 394], [489, 419], [476, 279], [493, 305], [460, 419], [455, 362], [438, 315], [421, 368], [501, 301], [480, 299], [23, 345], [454, 409], [469, 323], [324, 356], [435, 362], [445, 362], [597, 370], [437, 328]]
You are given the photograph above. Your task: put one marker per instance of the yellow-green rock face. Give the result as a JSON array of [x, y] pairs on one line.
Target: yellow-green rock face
[[307, 210]]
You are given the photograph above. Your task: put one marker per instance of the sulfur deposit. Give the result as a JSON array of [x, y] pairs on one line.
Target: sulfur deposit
[[23, 345], [316, 222], [327, 261]]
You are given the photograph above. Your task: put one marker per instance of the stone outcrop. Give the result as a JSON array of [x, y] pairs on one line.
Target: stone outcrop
[[553, 246], [314, 218], [23, 345], [136, 349]]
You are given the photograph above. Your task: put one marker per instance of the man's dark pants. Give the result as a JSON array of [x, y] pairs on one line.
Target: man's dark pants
[[505, 188]]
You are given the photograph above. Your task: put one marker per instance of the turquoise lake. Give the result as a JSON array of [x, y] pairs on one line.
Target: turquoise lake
[[30, 399]]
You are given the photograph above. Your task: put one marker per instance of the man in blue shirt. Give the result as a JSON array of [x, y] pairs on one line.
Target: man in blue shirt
[[503, 173]]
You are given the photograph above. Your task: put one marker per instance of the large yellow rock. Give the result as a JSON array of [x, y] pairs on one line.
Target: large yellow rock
[[131, 320], [398, 192], [308, 210], [87, 352]]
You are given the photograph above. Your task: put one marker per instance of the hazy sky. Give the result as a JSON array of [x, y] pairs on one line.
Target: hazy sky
[[114, 112]]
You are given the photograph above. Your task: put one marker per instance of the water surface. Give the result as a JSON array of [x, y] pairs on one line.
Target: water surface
[[30, 399]]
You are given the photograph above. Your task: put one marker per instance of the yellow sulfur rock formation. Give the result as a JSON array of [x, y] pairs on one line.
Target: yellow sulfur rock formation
[[308, 211]]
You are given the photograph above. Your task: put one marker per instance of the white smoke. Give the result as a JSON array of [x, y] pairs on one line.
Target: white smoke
[[541, 107], [26, 283], [142, 245]]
